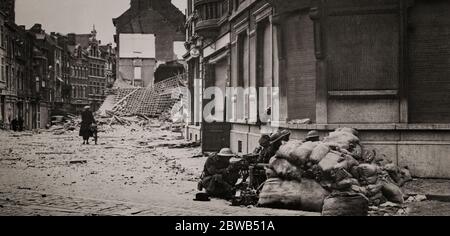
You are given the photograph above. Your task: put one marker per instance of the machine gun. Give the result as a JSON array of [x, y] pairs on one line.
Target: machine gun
[[252, 176]]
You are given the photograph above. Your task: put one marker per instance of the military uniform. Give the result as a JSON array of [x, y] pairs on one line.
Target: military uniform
[[219, 177]]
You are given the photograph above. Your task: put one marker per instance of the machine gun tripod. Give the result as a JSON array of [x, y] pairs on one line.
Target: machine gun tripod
[[252, 178]]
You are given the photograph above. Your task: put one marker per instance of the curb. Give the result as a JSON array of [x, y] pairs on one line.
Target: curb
[[439, 198]]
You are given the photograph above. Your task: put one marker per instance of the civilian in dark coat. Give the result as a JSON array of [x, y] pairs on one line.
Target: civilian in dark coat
[[14, 124], [20, 122], [87, 119]]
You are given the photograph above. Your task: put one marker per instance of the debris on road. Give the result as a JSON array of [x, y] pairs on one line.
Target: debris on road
[[54, 153], [78, 162], [185, 145]]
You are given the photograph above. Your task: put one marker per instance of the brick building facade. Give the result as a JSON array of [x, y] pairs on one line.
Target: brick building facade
[[87, 52], [160, 19], [43, 74], [378, 66]]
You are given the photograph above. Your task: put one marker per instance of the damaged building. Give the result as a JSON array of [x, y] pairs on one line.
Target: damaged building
[[377, 66], [147, 35]]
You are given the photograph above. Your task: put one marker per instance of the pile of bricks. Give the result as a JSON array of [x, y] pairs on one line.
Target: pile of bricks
[[152, 101]]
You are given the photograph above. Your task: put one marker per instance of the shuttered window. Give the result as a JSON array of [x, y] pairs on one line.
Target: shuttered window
[[363, 51], [298, 41], [429, 62]]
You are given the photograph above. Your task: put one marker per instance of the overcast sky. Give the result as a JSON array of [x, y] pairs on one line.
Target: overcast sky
[[77, 16]]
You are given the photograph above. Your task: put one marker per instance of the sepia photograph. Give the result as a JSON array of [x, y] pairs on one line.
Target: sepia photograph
[[242, 108]]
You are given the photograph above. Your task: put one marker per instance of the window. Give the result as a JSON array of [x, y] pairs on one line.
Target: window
[[357, 61], [240, 98], [2, 36], [239, 146], [137, 72], [2, 70], [7, 78], [242, 59], [38, 84], [264, 67], [13, 82]]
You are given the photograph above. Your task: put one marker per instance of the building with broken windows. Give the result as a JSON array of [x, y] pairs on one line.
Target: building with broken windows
[[146, 36], [378, 66]]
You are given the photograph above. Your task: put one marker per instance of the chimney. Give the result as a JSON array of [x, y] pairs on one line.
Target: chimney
[[37, 27], [71, 39]]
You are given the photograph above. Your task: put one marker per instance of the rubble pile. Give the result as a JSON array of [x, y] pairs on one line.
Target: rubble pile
[[336, 177], [106, 123], [152, 101]]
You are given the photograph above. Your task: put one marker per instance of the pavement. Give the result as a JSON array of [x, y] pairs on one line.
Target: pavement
[[433, 189], [128, 173], [132, 173]]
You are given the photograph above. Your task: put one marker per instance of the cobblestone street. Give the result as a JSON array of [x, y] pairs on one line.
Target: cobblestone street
[[128, 173]]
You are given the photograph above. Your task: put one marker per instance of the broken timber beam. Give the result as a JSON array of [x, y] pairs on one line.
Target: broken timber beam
[[125, 98]]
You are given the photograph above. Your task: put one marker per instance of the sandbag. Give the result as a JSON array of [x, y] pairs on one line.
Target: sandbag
[[346, 204], [307, 195], [348, 130], [315, 173], [345, 184], [370, 180], [356, 151], [354, 172], [374, 189], [330, 161], [341, 139], [392, 193], [405, 176], [347, 163], [270, 173], [367, 170], [377, 199], [359, 189], [391, 168], [393, 171], [301, 154], [369, 156], [340, 174], [319, 153], [368, 174], [286, 149], [284, 169]]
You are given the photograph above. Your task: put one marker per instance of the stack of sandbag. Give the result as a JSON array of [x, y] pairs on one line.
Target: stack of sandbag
[[306, 195], [338, 165], [286, 187], [346, 204]]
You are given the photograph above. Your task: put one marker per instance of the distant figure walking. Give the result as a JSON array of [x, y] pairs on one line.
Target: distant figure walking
[[87, 119], [20, 123], [14, 124]]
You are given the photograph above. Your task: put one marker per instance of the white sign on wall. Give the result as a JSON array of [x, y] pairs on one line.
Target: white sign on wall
[[137, 46]]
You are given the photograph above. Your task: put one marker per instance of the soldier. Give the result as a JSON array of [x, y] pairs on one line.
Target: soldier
[[219, 177], [312, 136], [273, 145]]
